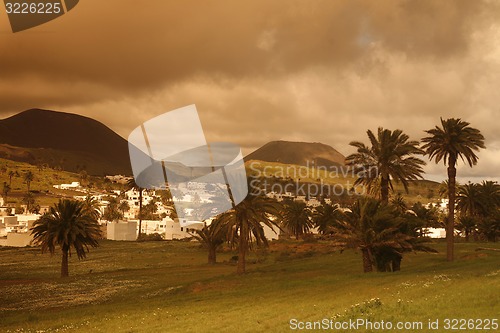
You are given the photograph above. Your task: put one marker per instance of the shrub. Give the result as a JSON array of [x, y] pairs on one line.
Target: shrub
[[151, 237]]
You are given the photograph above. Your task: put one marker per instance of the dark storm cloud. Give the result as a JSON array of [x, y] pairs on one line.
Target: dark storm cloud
[[139, 45], [265, 70]]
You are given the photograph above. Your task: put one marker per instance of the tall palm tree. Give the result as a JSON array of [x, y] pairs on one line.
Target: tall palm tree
[[11, 174], [246, 220], [390, 156], [296, 217], [28, 178], [5, 192], [131, 184], [68, 225], [454, 139]]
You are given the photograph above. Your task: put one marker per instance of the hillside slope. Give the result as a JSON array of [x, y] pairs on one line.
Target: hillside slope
[[68, 140], [299, 153]]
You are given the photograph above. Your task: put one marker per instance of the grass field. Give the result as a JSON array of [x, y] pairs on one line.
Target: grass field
[[168, 287]]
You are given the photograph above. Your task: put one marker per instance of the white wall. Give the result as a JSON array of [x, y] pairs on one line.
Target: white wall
[[124, 231], [19, 239]]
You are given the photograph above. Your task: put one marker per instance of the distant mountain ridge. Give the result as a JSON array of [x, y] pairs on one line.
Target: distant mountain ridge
[[299, 153], [53, 137]]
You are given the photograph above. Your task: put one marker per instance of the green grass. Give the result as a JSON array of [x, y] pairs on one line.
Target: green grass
[[168, 287]]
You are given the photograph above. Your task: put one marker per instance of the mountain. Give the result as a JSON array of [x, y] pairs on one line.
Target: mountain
[[299, 153], [69, 141]]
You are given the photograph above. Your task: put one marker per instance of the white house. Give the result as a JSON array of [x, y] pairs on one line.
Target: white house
[[72, 186], [180, 228]]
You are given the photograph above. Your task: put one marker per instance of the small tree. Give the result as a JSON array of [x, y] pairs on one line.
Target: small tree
[[5, 191], [124, 207], [11, 174], [373, 228], [247, 220], [111, 212], [326, 216], [212, 237], [67, 225], [29, 201], [297, 218]]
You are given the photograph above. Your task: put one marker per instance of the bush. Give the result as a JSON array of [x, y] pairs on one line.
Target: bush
[[309, 238], [151, 237]]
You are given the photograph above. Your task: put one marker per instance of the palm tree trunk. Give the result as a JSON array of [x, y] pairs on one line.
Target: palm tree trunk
[[396, 264], [384, 189], [212, 254], [140, 214], [242, 250], [450, 226], [64, 263], [367, 261]]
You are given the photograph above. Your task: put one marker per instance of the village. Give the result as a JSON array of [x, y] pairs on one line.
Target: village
[[15, 228]]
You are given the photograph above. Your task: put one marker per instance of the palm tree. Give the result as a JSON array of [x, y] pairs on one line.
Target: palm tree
[[467, 224], [212, 236], [454, 139], [28, 178], [489, 227], [84, 178], [29, 200], [372, 227], [470, 201], [68, 225], [296, 217], [443, 188], [112, 213], [5, 191], [131, 184], [124, 207], [326, 216], [399, 202], [246, 220], [390, 156], [92, 206], [419, 217], [490, 193], [11, 174]]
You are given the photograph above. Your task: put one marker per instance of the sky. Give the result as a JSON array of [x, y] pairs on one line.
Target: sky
[[261, 70]]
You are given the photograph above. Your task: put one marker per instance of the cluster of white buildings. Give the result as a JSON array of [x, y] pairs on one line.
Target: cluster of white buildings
[[312, 202], [14, 229]]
